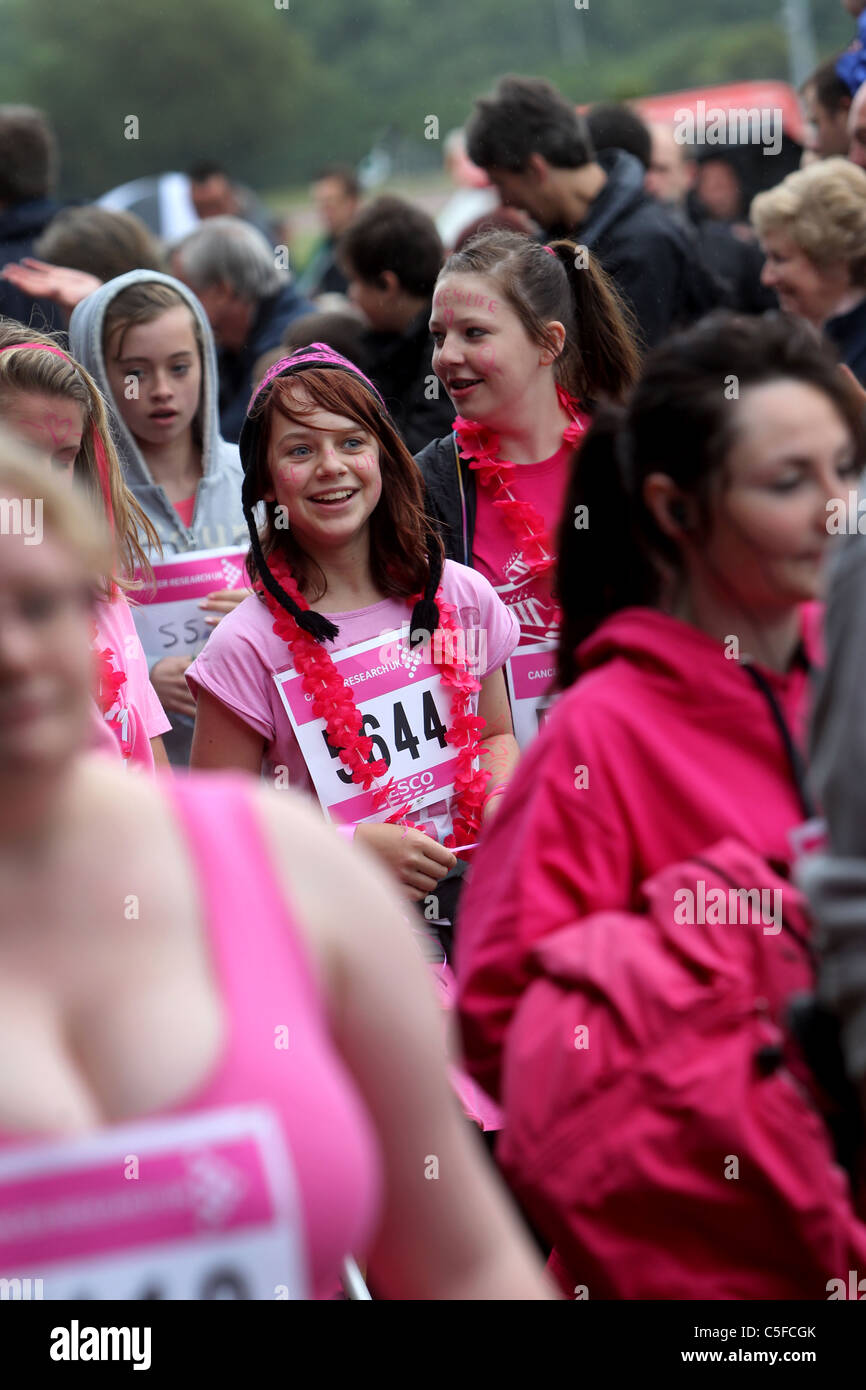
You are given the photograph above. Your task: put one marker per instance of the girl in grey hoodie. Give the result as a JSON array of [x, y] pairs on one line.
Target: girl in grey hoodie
[[147, 341]]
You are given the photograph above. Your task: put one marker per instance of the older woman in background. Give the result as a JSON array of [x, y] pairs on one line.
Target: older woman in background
[[813, 230]]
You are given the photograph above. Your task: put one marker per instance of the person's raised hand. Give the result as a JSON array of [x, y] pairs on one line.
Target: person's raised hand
[[62, 285], [223, 601], [167, 679]]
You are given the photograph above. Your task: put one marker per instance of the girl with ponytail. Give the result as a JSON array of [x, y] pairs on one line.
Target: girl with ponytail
[[407, 739], [48, 399], [528, 338]]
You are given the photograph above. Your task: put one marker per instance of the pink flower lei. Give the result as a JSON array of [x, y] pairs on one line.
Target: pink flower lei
[[109, 682], [334, 702], [479, 447]]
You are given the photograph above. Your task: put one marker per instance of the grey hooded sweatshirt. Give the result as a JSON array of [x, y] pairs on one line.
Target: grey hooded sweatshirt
[[218, 519], [217, 516]]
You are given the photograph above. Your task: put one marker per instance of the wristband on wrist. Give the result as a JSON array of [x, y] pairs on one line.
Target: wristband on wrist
[[347, 832]]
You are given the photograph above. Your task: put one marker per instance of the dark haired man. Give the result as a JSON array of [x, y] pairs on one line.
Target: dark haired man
[[392, 255], [826, 103], [337, 196], [215, 194], [615, 126], [539, 153]]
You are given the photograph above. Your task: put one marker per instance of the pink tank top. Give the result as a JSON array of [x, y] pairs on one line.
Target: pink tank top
[[261, 962]]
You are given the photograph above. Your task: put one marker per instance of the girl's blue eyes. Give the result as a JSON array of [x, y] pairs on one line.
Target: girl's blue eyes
[[351, 442]]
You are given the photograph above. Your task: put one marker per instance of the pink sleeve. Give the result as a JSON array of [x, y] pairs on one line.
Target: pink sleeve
[[231, 668], [156, 721], [346, 832], [552, 854]]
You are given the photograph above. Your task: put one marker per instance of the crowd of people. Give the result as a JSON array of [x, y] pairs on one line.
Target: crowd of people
[[430, 768]]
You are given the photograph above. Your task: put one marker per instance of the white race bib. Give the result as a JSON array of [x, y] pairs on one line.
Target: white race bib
[[530, 671], [168, 620], [204, 1206], [405, 708]]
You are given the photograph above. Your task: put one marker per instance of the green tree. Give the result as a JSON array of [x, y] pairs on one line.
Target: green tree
[[206, 77]]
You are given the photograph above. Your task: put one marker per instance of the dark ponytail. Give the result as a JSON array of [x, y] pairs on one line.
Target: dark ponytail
[[682, 420], [602, 562], [425, 614], [601, 358]]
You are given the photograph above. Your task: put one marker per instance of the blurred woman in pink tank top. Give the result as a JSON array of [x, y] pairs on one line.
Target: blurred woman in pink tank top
[[197, 976]]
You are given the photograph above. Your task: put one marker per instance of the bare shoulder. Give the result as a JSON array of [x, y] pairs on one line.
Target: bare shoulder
[[343, 899]]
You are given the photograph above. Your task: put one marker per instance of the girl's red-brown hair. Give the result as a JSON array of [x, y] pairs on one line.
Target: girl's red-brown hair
[[404, 547]]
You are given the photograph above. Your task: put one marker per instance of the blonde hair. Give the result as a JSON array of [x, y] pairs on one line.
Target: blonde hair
[[822, 208], [66, 513], [37, 370]]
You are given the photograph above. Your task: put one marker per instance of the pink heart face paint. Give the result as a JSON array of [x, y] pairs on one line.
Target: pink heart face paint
[[482, 352], [52, 424]]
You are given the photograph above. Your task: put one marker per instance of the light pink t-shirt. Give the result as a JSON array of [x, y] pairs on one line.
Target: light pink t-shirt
[[137, 715], [496, 553], [242, 655]]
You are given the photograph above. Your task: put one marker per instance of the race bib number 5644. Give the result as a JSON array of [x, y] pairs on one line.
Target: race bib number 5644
[[405, 711]]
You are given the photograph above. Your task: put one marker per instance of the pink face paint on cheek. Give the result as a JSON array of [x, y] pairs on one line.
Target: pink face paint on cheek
[[487, 356], [364, 464]]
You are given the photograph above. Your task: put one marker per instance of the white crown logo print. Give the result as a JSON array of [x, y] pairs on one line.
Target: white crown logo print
[[215, 1188], [231, 573]]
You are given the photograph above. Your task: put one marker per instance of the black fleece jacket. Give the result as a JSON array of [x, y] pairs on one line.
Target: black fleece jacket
[[647, 254], [451, 496]]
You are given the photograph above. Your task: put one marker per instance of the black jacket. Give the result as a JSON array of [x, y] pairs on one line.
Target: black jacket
[[848, 334], [21, 225], [652, 260], [733, 262], [452, 500], [236, 368], [401, 365]]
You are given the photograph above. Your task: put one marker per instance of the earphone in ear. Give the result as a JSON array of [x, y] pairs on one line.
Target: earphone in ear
[[677, 514]]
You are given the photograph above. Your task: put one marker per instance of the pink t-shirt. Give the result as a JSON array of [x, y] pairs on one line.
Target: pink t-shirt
[[242, 655], [496, 553], [136, 715]]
